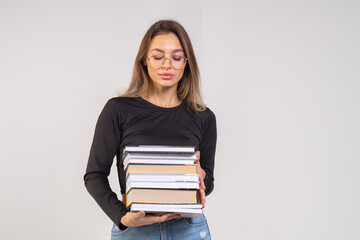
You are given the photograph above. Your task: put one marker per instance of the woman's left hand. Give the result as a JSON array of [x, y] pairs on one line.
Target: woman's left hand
[[202, 174]]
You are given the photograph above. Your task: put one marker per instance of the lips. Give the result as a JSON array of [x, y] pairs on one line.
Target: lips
[[166, 76]]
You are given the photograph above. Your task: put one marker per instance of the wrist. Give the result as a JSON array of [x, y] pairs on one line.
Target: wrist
[[123, 221], [203, 175]]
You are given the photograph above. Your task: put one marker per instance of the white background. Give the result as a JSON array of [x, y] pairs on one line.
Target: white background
[[282, 77]]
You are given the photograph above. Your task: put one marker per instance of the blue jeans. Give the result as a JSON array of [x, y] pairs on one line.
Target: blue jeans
[[174, 229]]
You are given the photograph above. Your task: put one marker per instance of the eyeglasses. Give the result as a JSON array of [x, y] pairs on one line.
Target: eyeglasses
[[177, 62]]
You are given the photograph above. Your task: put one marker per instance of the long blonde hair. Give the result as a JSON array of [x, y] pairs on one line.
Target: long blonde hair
[[188, 89]]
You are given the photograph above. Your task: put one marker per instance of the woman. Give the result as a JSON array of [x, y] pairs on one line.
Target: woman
[[162, 106]]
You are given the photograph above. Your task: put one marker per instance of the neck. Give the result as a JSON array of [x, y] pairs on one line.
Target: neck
[[163, 98]]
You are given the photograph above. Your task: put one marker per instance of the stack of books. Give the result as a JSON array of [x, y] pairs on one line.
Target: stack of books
[[161, 179]]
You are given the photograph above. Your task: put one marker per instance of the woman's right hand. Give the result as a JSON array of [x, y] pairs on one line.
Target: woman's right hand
[[136, 219]]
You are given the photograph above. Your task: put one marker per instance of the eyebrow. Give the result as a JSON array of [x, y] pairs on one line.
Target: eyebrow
[[159, 50]]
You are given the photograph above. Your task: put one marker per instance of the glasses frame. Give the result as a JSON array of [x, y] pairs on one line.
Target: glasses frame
[[164, 60]]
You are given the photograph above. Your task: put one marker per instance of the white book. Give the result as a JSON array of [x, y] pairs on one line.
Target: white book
[[162, 185], [143, 177], [169, 205], [187, 156], [184, 212], [157, 161], [156, 148]]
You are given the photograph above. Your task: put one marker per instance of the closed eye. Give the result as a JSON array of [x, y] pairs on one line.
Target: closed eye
[[158, 57], [177, 58]]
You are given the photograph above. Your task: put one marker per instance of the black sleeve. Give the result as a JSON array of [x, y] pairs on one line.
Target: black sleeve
[[207, 150], [105, 146]]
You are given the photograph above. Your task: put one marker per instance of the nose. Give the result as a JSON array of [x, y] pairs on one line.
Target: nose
[[165, 64]]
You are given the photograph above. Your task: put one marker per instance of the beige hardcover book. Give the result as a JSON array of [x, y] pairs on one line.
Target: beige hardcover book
[[160, 196], [161, 169]]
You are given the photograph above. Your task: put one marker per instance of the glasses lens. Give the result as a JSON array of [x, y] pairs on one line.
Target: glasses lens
[[176, 62], [156, 62]]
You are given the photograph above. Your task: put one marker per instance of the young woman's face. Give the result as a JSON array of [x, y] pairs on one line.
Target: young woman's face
[[165, 61]]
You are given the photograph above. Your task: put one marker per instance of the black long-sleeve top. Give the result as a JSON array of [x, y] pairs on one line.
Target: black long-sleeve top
[[135, 121]]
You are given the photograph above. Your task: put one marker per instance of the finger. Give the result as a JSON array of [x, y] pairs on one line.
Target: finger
[[165, 216], [168, 217], [140, 214], [198, 196], [197, 154], [202, 184], [202, 197], [154, 219], [199, 170], [177, 216], [197, 162], [198, 167]]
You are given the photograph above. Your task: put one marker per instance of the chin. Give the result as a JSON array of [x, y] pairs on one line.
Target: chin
[[167, 84]]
